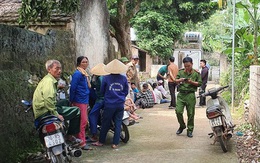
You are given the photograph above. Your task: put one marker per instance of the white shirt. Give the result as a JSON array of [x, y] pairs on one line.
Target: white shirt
[[162, 90], [157, 95]]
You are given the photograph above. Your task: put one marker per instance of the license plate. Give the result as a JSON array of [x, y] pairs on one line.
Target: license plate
[[52, 140], [215, 122]]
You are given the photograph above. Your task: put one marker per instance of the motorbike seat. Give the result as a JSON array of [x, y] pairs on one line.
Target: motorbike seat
[[214, 108], [47, 120], [213, 111]]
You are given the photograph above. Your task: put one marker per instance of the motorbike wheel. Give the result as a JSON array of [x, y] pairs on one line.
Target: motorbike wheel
[[223, 143], [58, 158], [124, 135]]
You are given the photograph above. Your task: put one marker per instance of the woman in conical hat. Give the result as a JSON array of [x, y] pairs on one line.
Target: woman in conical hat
[[99, 70], [116, 67], [115, 89], [98, 73]]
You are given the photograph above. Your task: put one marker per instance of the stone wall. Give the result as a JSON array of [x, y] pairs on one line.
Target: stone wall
[[254, 101], [25, 50], [23, 54]]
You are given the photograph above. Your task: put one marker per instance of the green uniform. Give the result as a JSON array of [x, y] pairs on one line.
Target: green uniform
[[186, 97]]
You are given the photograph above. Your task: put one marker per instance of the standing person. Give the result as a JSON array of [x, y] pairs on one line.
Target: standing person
[[132, 74], [45, 103], [79, 96], [189, 79], [161, 74], [115, 89], [204, 76], [172, 73], [94, 114]]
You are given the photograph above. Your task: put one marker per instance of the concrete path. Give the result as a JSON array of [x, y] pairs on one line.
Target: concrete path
[[154, 140]]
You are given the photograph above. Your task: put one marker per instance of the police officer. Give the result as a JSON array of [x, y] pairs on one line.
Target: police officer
[[188, 79]]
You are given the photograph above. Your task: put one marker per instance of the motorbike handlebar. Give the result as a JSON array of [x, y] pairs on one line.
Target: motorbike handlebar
[[212, 91], [28, 105]]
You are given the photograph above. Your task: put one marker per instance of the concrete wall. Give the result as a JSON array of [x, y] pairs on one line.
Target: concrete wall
[[91, 31], [154, 70], [254, 100], [214, 73]]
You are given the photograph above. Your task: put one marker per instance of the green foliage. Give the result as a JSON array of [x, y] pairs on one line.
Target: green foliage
[[227, 96], [217, 37], [156, 31], [160, 25], [214, 31], [42, 10], [248, 29], [244, 127], [241, 86]]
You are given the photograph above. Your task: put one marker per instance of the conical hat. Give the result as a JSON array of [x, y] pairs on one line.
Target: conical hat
[[116, 67], [99, 70]]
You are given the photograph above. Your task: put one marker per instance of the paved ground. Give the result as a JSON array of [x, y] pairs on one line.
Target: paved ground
[[153, 139]]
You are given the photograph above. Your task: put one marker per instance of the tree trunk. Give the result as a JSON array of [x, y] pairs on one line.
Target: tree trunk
[[255, 37], [121, 26], [122, 34]]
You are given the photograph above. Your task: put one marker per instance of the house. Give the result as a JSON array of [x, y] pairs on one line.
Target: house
[[9, 16], [90, 39], [145, 60]]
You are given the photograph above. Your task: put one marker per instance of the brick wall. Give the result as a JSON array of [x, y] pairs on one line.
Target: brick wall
[[254, 101]]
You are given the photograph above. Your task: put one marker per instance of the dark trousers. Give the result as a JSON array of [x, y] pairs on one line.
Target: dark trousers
[[202, 90], [172, 87], [115, 114], [94, 116]]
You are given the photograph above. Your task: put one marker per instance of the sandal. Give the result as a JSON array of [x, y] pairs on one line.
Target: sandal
[[132, 122], [91, 139], [114, 146], [98, 144], [86, 147]]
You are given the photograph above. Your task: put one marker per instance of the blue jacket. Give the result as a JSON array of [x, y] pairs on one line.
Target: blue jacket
[[79, 90], [115, 89]]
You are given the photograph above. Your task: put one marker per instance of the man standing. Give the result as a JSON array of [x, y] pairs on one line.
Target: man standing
[[189, 79], [172, 73], [161, 74], [204, 77], [132, 74]]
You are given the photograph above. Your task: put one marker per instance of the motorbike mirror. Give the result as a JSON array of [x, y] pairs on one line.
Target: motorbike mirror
[[26, 102]]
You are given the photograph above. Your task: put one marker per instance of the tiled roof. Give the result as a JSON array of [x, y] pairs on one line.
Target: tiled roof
[[9, 12]]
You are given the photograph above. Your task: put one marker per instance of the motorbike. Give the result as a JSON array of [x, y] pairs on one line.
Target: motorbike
[[219, 116], [51, 133]]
